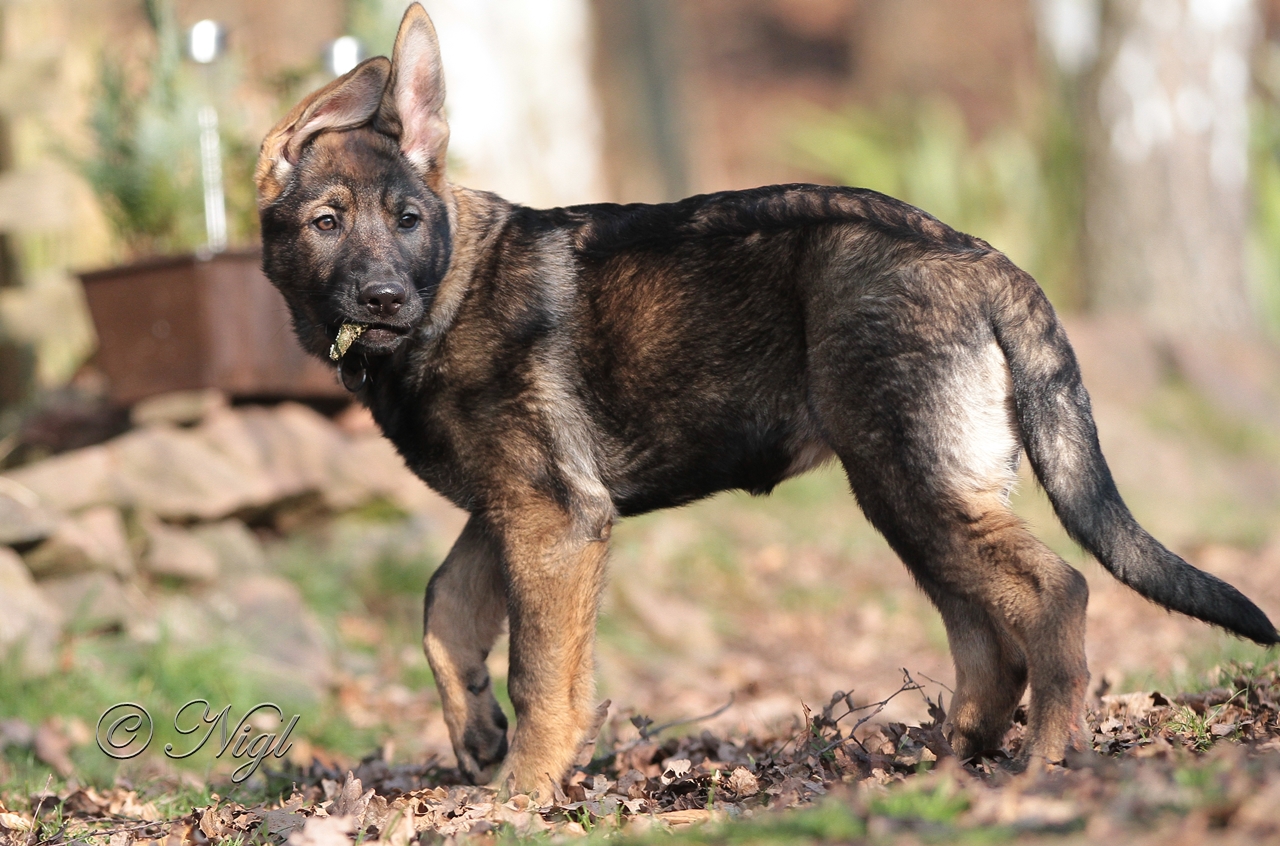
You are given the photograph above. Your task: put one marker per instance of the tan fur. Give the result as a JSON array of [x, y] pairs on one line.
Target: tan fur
[[1037, 639], [555, 579], [346, 102]]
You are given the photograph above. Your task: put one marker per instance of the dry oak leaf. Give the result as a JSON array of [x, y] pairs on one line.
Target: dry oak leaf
[[677, 768], [15, 822], [215, 821], [324, 831], [284, 821], [353, 800], [399, 829], [742, 782]]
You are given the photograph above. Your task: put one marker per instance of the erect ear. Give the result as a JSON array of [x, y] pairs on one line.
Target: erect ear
[[349, 101], [413, 106]]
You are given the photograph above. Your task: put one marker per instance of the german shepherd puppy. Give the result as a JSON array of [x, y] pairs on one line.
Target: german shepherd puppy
[[550, 371]]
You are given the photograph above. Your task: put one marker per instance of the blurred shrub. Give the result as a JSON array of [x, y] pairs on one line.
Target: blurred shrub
[[1020, 189], [1016, 189], [145, 164], [1265, 177]]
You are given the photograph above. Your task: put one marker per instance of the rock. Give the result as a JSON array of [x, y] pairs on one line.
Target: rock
[[71, 481], [93, 540], [177, 475], [173, 473], [185, 620], [22, 520], [372, 463], [237, 461], [236, 548], [178, 408], [95, 601], [356, 420], [16, 731], [328, 451], [29, 622], [176, 553], [287, 647], [293, 446]]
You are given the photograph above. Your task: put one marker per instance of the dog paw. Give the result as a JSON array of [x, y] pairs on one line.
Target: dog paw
[[484, 746]]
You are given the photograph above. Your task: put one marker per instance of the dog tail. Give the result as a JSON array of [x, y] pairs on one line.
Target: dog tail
[[1056, 425]]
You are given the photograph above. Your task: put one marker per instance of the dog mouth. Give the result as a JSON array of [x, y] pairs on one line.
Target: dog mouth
[[372, 338]]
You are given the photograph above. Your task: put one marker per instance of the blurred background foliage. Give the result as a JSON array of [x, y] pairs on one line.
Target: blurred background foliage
[[1264, 178], [1018, 187], [144, 163]]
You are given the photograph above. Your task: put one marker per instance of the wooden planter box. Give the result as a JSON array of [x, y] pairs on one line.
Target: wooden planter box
[[185, 323]]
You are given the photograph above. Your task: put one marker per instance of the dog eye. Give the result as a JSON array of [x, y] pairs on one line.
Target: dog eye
[[408, 220], [325, 223]]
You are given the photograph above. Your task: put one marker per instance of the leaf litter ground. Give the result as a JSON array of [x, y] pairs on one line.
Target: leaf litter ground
[[1188, 766]]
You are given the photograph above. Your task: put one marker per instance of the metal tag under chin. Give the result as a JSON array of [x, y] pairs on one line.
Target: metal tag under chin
[[353, 373]]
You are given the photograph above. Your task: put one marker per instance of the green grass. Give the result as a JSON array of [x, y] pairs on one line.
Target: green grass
[[1205, 662], [371, 561], [106, 670], [938, 802], [374, 563]]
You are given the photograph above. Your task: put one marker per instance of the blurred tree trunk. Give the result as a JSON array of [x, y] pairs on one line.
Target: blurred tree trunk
[[637, 63], [1166, 161]]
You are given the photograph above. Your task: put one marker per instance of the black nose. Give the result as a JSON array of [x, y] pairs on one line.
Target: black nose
[[383, 299]]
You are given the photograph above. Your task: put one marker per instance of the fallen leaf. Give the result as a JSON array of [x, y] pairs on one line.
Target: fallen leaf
[[324, 831], [352, 800], [399, 830], [15, 822], [743, 783], [283, 822], [678, 819], [677, 768], [632, 784], [52, 746]]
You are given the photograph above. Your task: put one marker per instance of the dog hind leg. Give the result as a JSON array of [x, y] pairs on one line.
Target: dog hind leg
[[991, 675], [1014, 612], [1034, 604], [926, 434]]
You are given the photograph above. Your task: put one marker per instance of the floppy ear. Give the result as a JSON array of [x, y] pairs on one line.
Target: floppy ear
[[349, 101], [413, 106]]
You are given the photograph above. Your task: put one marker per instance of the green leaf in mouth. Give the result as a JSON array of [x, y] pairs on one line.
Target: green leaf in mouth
[[346, 337]]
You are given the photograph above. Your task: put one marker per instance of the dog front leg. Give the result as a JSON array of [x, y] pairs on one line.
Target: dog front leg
[[463, 615], [554, 563]]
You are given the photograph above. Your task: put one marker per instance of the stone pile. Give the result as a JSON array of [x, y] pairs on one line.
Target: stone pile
[[89, 538]]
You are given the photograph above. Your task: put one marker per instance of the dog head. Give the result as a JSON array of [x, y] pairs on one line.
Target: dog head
[[353, 198]]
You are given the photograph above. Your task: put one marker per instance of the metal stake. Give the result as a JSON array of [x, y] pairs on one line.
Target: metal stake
[[215, 201]]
